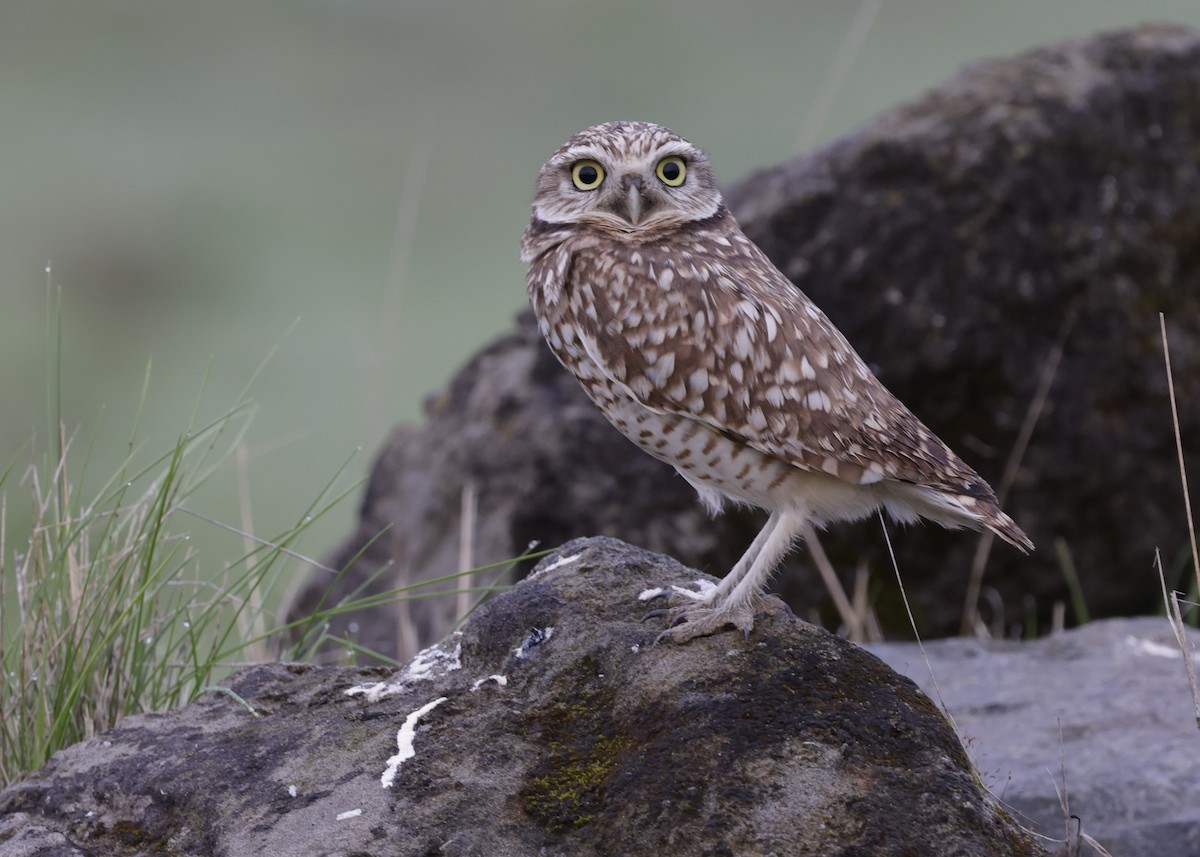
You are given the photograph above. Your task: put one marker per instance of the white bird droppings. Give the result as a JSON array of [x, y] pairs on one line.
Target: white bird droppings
[[501, 680], [703, 587], [429, 663], [558, 563], [1149, 647], [292, 791], [404, 742]]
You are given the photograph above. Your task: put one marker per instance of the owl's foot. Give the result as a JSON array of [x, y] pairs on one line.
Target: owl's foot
[[690, 620]]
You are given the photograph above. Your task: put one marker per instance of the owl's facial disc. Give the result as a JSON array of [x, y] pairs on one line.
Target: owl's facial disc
[[628, 195], [628, 179], [625, 195]]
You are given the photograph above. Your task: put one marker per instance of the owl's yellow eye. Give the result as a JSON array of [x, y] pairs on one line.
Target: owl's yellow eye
[[587, 175], [671, 170]]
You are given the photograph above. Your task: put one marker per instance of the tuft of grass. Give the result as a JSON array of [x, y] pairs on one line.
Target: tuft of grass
[[107, 610], [102, 612]]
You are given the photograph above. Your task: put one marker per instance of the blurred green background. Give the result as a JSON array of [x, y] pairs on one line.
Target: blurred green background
[[203, 174]]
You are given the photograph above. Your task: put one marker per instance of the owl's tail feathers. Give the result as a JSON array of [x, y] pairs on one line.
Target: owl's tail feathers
[[906, 501], [1003, 526]]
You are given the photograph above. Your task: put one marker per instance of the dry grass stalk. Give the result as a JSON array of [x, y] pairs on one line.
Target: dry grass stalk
[[1171, 601], [851, 618], [466, 549], [970, 617]]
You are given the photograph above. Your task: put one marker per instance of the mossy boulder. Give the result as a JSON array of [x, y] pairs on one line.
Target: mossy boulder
[[553, 724]]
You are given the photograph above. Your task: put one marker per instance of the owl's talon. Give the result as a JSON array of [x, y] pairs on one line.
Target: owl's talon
[[691, 621], [705, 622]]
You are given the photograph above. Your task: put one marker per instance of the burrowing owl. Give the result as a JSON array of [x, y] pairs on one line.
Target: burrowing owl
[[707, 357]]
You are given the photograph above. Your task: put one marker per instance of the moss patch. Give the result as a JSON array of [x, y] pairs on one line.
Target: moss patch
[[570, 787]]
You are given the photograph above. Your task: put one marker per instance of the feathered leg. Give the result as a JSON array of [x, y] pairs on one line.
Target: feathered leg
[[739, 597]]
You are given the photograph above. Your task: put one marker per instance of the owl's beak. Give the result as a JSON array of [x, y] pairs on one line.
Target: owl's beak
[[633, 198]]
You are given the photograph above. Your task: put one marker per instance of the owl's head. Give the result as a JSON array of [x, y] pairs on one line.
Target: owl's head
[[629, 179]]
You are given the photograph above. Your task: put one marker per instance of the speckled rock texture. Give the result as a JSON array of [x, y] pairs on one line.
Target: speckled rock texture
[[562, 730], [1046, 201]]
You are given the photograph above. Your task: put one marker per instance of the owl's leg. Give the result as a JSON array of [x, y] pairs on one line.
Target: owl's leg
[[706, 592], [740, 597]]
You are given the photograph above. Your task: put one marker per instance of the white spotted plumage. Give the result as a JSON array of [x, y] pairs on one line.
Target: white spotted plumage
[[701, 352]]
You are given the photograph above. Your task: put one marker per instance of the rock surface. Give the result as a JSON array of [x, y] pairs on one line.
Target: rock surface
[[1105, 706], [1048, 200], [593, 742]]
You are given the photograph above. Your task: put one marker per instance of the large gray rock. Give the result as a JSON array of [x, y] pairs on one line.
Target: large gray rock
[[1050, 200], [1101, 714], [551, 725]]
